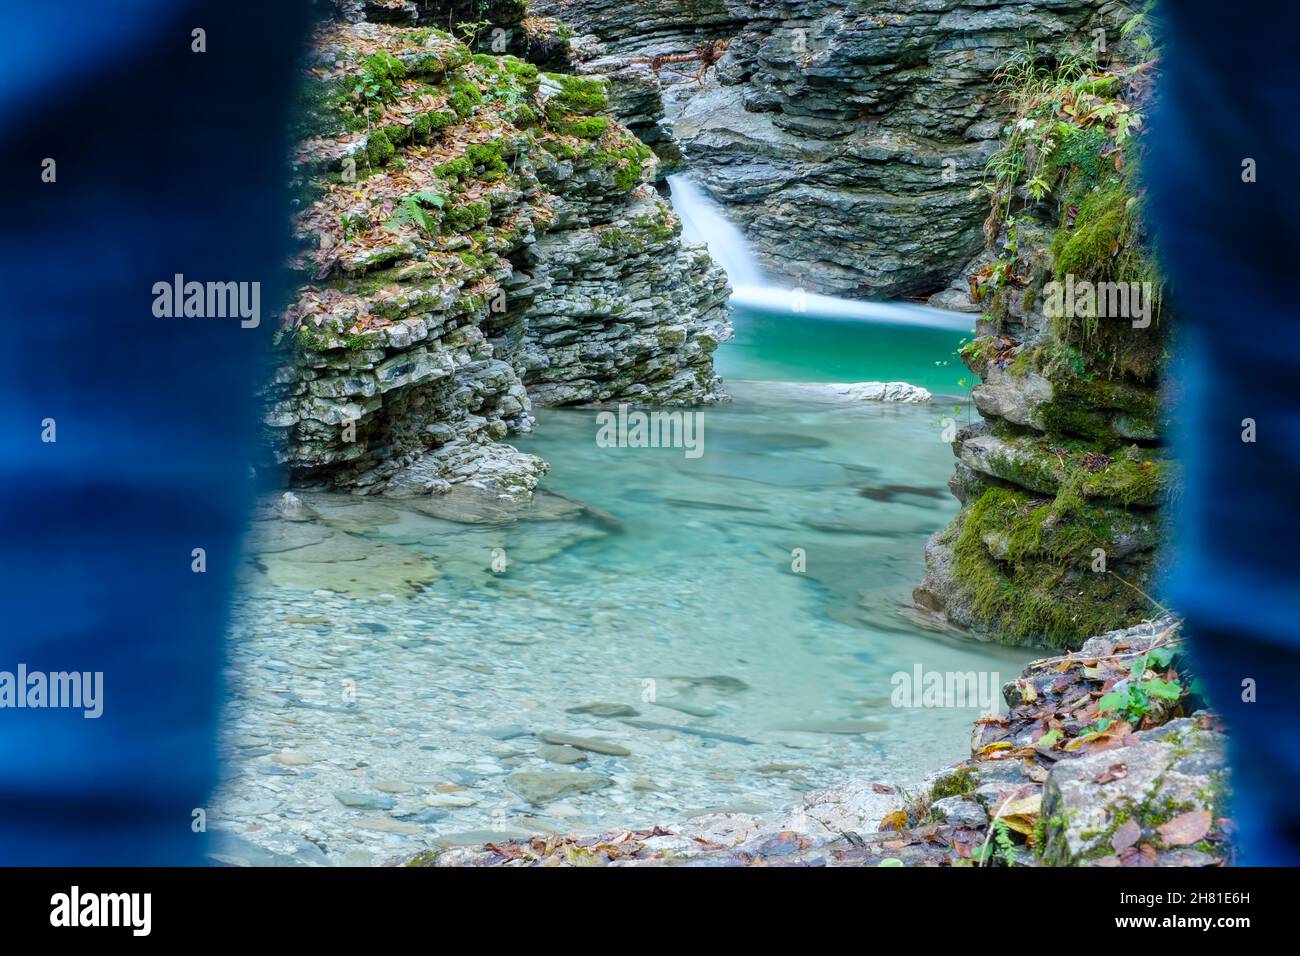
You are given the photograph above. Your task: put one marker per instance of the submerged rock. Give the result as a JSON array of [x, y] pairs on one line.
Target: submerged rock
[[1154, 797], [885, 392], [543, 786], [592, 744]]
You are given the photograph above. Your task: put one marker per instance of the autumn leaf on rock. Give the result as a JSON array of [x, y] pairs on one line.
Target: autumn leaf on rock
[[1116, 771], [1186, 828], [1126, 835], [894, 821]]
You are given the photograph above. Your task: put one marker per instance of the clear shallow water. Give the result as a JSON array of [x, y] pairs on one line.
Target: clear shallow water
[[674, 598], [780, 345]]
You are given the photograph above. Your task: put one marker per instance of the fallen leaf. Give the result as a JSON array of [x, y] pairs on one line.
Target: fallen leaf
[[1048, 740], [1125, 836], [894, 821], [1186, 828], [1116, 771]]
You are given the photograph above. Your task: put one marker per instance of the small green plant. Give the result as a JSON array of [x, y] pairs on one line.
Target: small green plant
[[412, 210], [1134, 703], [999, 848]]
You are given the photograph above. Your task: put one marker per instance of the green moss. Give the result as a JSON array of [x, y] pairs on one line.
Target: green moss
[[625, 159], [421, 127], [510, 69], [487, 159], [589, 127], [462, 218], [579, 95], [955, 783], [1088, 250], [660, 226], [560, 149], [379, 149], [326, 107], [441, 119], [463, 96], [1090, 407], [381, 76], [521, 115], [1024, 564], [1132, 476], [1078, 157], [454, 168]]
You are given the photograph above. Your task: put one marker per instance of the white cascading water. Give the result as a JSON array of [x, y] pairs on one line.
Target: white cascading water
[[703, 221]]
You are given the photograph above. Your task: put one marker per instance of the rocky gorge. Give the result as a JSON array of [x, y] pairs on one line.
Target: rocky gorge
[[848, 140], [486, 239]]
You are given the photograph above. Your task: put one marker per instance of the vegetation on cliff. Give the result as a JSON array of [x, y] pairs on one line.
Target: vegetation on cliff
[[456, 208], [1064, 481]]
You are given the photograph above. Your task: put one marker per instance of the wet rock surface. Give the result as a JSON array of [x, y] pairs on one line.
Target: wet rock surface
[[848, 142]]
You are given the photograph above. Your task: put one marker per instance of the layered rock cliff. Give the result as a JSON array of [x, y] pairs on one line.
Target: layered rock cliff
[[847, 139], [1064, 480], [475, 235]]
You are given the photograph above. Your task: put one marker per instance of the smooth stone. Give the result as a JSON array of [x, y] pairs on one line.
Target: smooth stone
[[509, 732], [387, 825], [593, 744], [675, 728], [449, 800], [722, 682], [291, 759], [958, 811], [364, 801], [427, 816], [561, 753], [605, 710], [231, 849], [694, 710], [253, 808], [392, 786], [543, 786]]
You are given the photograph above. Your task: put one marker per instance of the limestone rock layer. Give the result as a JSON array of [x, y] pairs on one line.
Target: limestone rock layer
[[475, 235]]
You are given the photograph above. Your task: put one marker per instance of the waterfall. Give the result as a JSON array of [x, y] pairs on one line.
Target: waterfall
[[703, 222]]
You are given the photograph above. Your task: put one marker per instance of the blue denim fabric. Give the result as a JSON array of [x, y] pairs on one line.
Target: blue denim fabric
[[1232, 251], [168, 161]]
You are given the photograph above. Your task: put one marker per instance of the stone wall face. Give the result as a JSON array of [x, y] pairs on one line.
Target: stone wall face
[[471, 231], [848, 140]]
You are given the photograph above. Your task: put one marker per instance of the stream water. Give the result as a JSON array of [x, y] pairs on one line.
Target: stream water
[[725, 627]]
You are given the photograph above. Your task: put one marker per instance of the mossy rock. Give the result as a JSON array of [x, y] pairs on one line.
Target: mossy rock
[[1134, 476], [1043, 588]]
